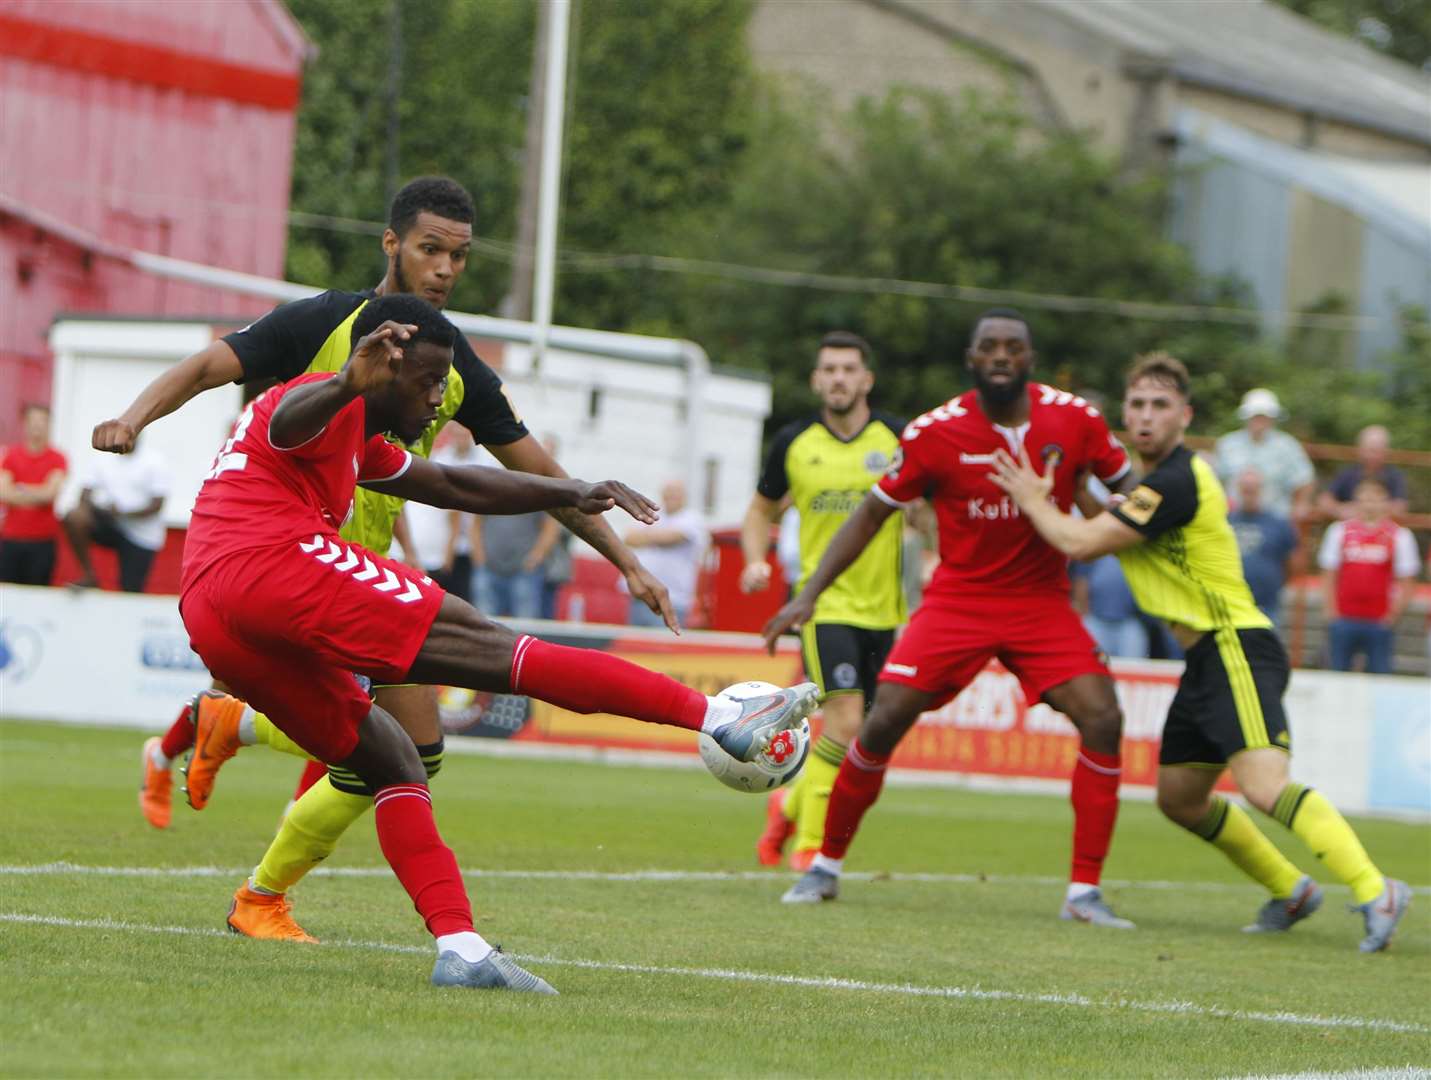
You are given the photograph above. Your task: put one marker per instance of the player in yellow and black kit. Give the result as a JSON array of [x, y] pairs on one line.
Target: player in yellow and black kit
[[826, 464], [426, 244], [1181, 560]]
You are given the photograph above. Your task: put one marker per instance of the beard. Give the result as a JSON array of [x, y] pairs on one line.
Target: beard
[[400, 276], [1006, 394]]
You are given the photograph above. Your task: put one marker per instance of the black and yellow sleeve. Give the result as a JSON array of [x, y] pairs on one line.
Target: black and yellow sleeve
[[1166, 499]]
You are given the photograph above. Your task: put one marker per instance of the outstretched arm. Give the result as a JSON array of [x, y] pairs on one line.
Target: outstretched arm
[[527, 455], [481, 490], [304, 412], [854, 536], [211, 366], [1078, 538]]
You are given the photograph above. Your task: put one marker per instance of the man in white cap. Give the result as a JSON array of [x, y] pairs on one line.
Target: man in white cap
[[1288, 479]]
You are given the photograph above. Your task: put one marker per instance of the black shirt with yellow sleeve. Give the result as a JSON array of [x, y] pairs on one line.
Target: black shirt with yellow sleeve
[[1189, 569]]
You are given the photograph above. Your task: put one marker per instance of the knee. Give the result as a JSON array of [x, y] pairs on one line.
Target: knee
[[1101, 726], [1179, 810], [1262, 795]]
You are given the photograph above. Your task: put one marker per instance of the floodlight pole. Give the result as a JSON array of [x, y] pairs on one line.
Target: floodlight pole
[[550, 190]]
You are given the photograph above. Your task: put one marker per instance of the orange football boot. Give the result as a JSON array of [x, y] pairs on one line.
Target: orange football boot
[[264, 916], [216, 721], [156, 788], [778, 829]]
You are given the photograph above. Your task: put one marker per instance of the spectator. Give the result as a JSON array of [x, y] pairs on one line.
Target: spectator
[[31, 474], [556, 568], [1287, 474], [441, 539], [1102, 597], [1266, 541], [508, 552], [120, 507], [672, 550], [1339, 501], [1371, 565]]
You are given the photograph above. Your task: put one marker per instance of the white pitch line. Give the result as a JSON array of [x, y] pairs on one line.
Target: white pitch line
[[965, 993], [657, 876]]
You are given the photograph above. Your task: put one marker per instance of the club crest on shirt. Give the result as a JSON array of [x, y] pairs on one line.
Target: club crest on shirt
[[876, 461], [1052, 455], [1140, 506]]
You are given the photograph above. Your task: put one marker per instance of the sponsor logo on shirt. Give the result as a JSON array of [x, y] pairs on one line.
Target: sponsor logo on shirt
[[989, 510], [836, 502]]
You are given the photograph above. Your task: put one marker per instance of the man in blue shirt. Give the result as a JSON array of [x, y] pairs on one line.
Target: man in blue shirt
[[1265, 539]]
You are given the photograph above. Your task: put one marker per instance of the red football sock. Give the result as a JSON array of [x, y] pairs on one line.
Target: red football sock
[[312, 773], [587, 681], [857, 786], [425, 865], [180, 736], [1094, 795]]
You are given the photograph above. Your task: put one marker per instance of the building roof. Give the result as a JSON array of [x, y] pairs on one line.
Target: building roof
[[1261, 50]]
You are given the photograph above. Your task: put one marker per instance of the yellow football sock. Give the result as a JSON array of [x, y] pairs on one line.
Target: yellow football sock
[[309, 833], [821, 768], [1228, 828], [794, 796], [1316, 821], [266, 733]]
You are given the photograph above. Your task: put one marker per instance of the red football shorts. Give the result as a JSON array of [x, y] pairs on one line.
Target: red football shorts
[[1040, 639], [286, 627]]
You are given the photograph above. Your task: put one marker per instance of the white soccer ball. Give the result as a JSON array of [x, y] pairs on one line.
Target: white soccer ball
[[781, 761]]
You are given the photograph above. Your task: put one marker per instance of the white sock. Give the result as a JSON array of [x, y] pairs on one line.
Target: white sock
[[161, 761], [1079, 888], [827, 864], [247, 735], [256, 887], [468, 944], [719, 712]]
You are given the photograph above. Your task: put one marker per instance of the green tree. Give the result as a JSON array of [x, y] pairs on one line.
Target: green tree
[[1399, 28]]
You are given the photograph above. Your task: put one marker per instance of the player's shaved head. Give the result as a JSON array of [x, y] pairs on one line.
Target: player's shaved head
[[1008, 313]]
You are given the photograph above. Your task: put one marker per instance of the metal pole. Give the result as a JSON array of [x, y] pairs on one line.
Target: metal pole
[[552, 124]]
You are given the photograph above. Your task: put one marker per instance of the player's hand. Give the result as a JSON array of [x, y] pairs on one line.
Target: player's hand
[[643, 586], [793, 616], [114, 436], [598, 498], [377, 358], [1018, 478], [755, 577]]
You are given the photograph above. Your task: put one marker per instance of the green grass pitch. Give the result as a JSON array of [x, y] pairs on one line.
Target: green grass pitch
[[947, 959]]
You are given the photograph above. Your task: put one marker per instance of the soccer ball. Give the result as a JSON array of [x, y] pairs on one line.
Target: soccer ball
[[781, 761]]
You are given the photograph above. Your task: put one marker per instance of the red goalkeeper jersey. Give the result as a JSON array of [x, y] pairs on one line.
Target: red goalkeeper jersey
[[257, 495], [985, 543]]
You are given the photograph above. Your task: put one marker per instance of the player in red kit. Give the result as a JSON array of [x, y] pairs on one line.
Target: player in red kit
[[1000, 591], [283, 610]]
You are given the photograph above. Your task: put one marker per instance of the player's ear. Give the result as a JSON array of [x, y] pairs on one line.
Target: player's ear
[[391, 243]]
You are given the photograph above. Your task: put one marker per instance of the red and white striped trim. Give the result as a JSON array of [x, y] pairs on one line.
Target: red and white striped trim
[[1084, 760], [858, 759], [519, 653], [403, 791]]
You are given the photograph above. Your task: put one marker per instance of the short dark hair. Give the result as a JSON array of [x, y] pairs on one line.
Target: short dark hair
[[847, 339], [1161, 367], [999, 313], [405, 308], [438, 195]]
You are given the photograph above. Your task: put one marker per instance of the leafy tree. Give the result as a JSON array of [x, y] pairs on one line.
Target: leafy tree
[[1399, 28]]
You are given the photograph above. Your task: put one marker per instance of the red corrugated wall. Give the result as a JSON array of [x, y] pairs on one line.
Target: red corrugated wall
[[162, 125]]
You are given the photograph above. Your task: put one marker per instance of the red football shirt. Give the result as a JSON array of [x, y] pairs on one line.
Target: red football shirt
[[27, 467], [257, 495], [1367, 569], [985, 543]]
